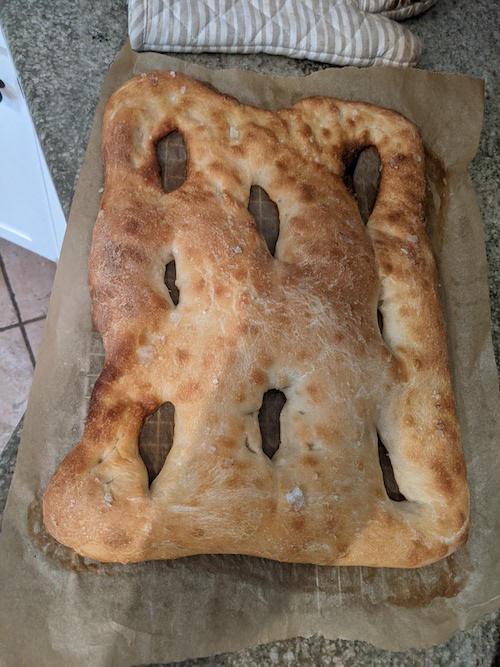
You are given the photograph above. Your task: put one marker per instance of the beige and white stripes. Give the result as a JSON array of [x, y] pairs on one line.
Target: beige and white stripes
[[338, 32]]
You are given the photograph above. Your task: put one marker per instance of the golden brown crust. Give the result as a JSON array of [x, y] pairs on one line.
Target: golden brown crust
[[304, 322]]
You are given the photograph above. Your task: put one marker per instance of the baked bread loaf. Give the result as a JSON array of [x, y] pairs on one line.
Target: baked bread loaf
[[304, 321]]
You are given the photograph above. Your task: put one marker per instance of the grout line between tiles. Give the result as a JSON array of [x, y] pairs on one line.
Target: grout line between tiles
[[13, 326], [16, 310]]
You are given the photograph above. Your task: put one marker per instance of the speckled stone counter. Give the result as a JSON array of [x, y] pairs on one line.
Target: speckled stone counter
[[62, 51]]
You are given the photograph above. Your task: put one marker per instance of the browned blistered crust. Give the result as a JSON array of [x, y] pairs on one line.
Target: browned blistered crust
[[304, 322]]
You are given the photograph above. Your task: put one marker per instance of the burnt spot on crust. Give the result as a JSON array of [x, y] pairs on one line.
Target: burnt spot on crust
[[327, 433], [393, 218], [387, 520], [309, 461], [220, 290], [150, 172], [188, 391], [446, 476], [117, 144], [386, 266], [109, 374], [117, 538], [410, 421], [281, 166], [298, 522], [235, 481], [242, 465], [305, 131], [240, 150], [228, 443], [308, 193], [253, 329], [182, 354], [131, 226], [398, 368], [199, 285], [198, 532], [217, 167], [315, 392], [239, 274], [259, 483], [258, 377]]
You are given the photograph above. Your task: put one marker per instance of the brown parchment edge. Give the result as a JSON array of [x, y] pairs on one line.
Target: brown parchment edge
[[439, 621]]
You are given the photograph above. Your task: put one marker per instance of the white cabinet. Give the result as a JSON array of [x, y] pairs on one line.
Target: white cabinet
[[30, 212]]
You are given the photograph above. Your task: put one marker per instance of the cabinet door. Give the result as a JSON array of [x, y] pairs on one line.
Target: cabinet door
[[30, 211]]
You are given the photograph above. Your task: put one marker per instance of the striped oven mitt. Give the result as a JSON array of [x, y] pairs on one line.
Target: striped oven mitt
[[337, 32]]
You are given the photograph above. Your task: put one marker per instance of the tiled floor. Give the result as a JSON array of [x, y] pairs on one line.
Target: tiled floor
[[25, 285]]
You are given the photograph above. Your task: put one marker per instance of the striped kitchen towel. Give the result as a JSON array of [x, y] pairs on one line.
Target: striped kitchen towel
[[338, 32]]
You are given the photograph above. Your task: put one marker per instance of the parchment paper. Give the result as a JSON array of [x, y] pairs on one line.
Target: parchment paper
[[59, 609]]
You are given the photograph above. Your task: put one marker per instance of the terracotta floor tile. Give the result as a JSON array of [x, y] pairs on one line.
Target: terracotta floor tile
[[31, 278], [16, 372], [7, 312], [35, 333]]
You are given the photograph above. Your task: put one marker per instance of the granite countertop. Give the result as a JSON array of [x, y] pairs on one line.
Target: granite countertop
[[62, 50]]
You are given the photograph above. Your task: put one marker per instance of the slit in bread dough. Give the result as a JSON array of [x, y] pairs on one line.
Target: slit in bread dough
[[269, 421]]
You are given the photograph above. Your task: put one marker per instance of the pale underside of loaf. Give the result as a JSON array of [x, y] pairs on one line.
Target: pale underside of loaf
[[303, 321]]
